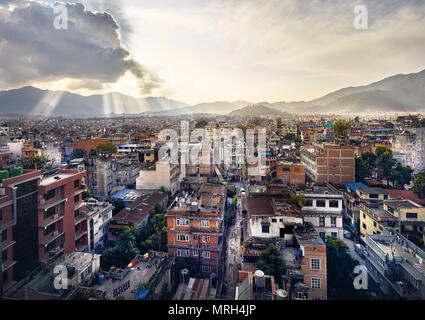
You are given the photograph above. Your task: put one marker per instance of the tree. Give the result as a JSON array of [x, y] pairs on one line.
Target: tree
[[369, 161], [419, 184], [289, 136], [106, 147], [401, 175], [340, 130], [201, 123], [340, 267], [384, 161], [298, 140], [78, 153], [362, 170], [42, 163], [271, 262]]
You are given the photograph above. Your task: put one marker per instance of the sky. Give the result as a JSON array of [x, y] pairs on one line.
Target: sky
[[209, 50]]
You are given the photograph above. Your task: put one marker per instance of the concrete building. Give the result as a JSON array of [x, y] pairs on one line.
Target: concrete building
[[100, 174], [324, 210], [396, 265], [98, 216], [290, 172], [409, 148], [329, 163]]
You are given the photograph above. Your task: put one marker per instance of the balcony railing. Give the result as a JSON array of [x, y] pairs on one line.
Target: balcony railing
[[55, 235]]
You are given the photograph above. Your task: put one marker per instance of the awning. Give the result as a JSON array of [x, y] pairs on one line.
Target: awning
[[142, 294]]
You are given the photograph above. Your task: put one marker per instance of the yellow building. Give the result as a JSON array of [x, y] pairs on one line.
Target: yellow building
[[372, 194], [373, 219]]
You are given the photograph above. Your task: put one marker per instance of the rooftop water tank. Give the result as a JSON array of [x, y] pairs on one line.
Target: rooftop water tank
[[281, 294], [259, 279]]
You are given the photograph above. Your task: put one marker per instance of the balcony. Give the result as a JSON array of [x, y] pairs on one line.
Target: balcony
[[52, 204], [55, 235], [54, 218], [80, 189], [79, 234]]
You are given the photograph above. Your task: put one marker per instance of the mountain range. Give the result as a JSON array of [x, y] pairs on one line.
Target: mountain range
[[399, 93]]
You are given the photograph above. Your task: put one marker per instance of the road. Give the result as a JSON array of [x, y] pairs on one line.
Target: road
[[233, 259]]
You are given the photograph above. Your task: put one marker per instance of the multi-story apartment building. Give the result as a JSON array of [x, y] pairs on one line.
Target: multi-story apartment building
[[396, 265], [311, 257], [62, 227], [195, 227], [324, 210], [18, 226], [100, 174], [98, 216], [409, 148], [329, 163]]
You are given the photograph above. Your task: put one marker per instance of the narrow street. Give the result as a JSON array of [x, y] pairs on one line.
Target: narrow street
[[234, 248]]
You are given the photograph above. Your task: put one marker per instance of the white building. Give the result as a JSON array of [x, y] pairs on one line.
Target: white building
[[98, 215], [323, 209], [409, 148]]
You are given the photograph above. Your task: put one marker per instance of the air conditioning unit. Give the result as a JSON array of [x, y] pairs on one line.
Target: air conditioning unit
[[55, 233], [42, 201], [55, 216]]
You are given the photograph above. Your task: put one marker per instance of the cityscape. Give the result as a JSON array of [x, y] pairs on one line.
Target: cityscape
[[122, 180]]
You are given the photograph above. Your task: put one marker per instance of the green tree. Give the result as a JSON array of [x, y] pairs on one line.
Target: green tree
[[401, 175], [289, 136], [42, 163], [419, 184], [77, 153], [384, 161], [362, 170], [271, 262], [340, 267], [297, 139], [106, 147], [341, 130]]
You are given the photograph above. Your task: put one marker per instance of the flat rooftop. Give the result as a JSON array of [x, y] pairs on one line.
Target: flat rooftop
[[372, 190], [54, 178], [322, 190], [401, 204], [309, 238]]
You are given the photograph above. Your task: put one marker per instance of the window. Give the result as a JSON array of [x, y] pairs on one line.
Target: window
[[206, 269], [308, 203], [4, 255], [364, 226], [315, 283], [206, 254], [411, 215], [321, 203], [334, 235], [265, 229], [76, 183], [206, 239], [334, 204], [182, 252], [4, 235], [49, 195], [1, 214], [5, 276], [205, 223], [77, 198], [182, 237], [273, 220], [373, 196], [195, 237], [195, 253], [364, 216], [333, 221], [314, 264], [77, 213], [321, 221], [374, 224], [182, 222]]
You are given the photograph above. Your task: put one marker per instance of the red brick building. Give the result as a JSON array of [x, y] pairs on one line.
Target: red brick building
[[88, 144], [290, 172], [195, 227], [329, 163]]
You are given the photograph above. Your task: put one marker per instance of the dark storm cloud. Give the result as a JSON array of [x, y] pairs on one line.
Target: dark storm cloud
[[89, 51]]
